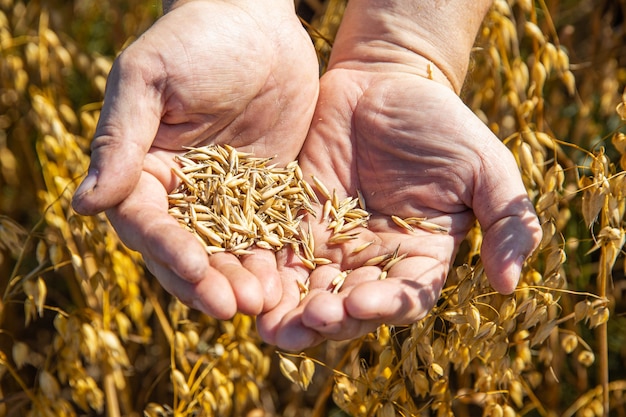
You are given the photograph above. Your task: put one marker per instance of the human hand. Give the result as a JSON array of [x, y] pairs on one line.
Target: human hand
[[413, 149], [242, 73]]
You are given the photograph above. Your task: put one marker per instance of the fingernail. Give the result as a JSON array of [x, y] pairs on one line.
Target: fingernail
[[88, 184], [197, 304], [520, 261], [518, 265]]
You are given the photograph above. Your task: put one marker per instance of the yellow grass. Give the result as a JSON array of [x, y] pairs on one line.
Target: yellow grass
[[84, 329]]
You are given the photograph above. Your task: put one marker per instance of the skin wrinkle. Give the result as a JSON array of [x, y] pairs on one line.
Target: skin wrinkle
[[277, 123], [397, 56], [110, 141], [185, 297], [482, 181], [158, 85], [415, 27], [337, 158], [355, 130], [272, 288], [437, 65], [263, 90], [398, 149], [461, 183], [445, 196], [224, 127], [113, 132], [232, 128]]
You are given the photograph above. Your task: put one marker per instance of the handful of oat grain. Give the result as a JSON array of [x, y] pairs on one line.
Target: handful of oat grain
[[231, 200]]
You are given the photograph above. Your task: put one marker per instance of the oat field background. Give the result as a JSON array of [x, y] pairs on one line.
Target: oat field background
[[85, 330]]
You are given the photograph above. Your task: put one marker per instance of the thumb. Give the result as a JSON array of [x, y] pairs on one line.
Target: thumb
[[127, 126], [511, 230]]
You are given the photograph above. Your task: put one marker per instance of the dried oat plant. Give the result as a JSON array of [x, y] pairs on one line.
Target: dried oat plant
[[84, 330]]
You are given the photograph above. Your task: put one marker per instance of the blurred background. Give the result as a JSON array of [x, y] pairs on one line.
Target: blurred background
[[85, 330]]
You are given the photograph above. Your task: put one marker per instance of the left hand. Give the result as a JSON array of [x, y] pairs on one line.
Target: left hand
[[242, 73]]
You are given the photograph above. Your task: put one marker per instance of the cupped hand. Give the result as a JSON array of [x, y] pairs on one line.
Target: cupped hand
[[413, 149], [242, 73]]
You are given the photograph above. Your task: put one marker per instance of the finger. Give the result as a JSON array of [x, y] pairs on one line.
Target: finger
[[262, 264], [292, 335], [174, 255], [209, 295], [511, 230], [128, 123], [507, 243], [410, 290], [282, 326], [247, 288], [143, 223], [326, 313]]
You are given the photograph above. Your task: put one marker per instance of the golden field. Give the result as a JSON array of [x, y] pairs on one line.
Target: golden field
[[85, 330]]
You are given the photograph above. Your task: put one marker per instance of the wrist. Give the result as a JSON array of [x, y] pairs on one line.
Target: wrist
[[265, 5], [430, 38]]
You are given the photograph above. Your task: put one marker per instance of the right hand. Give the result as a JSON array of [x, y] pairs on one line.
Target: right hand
[[389, 123], [242, 73]]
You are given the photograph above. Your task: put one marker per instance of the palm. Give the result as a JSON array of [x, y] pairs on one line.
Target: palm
[[413, 150], [212, 73]]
